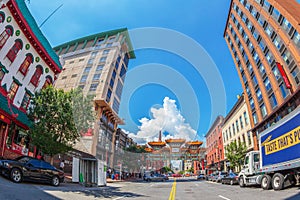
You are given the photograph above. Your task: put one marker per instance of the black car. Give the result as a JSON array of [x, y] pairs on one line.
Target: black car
[[201, 176], [231, 179], [26, 168]]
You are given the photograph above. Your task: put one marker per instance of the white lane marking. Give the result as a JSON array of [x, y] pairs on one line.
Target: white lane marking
[[196, 184], [224, 197]]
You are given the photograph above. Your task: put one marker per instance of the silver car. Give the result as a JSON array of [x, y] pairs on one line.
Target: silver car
[[155, 177]]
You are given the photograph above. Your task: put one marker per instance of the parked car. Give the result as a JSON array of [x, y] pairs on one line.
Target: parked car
[[176, 175], [155, 177], [201, 177], [26, 168], [220, 176], [210, 176], [231, 179]]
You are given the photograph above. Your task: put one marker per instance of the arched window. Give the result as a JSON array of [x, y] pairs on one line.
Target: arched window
[[5, 35], [12, 53], [2, 17], [36, 76], [48, 82], [26, 63]]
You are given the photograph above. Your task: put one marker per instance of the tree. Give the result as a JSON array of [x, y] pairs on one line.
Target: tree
[[82, 108], [54, 130], [235, 153]]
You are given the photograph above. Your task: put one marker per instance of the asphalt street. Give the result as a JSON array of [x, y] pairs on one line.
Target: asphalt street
[[182, 190]]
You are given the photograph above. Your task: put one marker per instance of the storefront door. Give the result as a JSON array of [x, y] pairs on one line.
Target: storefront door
[[3, 129]]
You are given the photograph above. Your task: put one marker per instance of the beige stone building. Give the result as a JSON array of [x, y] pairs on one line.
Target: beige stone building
[[98, 64], [237, 127]]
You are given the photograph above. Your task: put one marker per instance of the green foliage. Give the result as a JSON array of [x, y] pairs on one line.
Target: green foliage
[[191, 170], [82, 109], [136, 149], [235, 153], [54, 130]]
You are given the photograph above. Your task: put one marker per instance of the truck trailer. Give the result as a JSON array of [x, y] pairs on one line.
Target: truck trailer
[[277, 163]]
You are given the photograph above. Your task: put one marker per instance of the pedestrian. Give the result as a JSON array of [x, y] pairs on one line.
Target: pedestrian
[[62, 165]]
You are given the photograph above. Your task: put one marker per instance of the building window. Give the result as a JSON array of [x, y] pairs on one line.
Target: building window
[[296, 75], [286, 25], [13, 90], [108, 44], [48, 81], [276, 73], [123, 72], [5, 35], [283, 90], [269, 57], [273, 101], [96, 77], [287, 57], [93, 55], [254, 115], [262, 69], [237, 126], [119, 89], [106, 51], [255, 82], [263, 110], [93, 87], [267, 84], [112, 81], [116, 105], [266, 5], [233, 129], [71, 62], [249, 138], [2, 73], [246, 118], [269, 30], [80, 60], [12, 53], [87, 69], [297, 39], [259, 95], [74, 75], [241, 122], [26, 63], [64, 77], [2, 17], [91, 60], [36, 76], [26, 100], [83, 79], [276, 14], [252, 103], [108, 95], [103, 59], [99, 68]]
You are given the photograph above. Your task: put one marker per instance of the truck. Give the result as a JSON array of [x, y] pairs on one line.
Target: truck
[[277, 163]]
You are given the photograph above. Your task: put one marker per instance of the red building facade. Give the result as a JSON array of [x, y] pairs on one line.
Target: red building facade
[[27, 64], [214, 146]]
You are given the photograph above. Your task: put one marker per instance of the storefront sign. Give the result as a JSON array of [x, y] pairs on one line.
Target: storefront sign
[[284, 76]]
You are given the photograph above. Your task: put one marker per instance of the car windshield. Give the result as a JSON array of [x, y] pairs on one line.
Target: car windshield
[[22, 159]]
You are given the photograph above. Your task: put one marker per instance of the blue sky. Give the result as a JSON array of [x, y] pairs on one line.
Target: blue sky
[[202, 22]]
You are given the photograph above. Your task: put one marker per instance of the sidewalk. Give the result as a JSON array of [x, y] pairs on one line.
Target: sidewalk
[[68, 179]]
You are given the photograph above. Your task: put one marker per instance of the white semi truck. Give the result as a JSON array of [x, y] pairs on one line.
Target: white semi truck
[[277, 163]]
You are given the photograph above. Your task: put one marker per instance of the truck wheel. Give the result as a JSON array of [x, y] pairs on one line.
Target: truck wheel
[[278, 181], [266, 182], [241, 182]]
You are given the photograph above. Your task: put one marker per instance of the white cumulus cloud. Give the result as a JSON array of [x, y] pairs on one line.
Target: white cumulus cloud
[[167, 119]]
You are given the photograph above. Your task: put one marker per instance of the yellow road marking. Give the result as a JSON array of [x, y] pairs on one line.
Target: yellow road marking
[[173, 191]]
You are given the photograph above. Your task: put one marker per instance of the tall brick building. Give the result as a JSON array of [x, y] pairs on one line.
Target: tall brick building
[[263, 37]]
